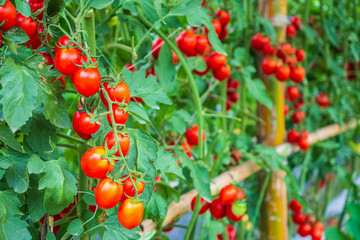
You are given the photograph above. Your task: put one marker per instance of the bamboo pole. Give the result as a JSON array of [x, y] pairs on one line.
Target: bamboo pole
[[240, 173]]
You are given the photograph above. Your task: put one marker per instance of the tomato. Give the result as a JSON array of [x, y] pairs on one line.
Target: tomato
[[168, 228], [296, 22], [76, 127], [124, 141], [64, 42], [187, 42], [130, 67], [319, 226], [236, 156], [120, 116], [223, 16], [130, 213], [290, 32], [233, 96], [231, 233], [297, 74], [217, 209], [36, 41], [316, 234], [258, 42], [0, 39], [230, 214], [299, 218], [294, 205], [238, 208], [284, 50], [222, 73], [93, 165], [87, 126], [119, 93], [187, 149], [286, 109], [129, 190], [269, 50], [300, 55], [269, 66], [62, 80], [304, 230], [47, 57], [66, 59], [282, 73], [299, 104], [297, 117], [108, 193], [303, 143], [36, 5], [201, 43], [322, 100], [87, 81], [291, 61], [292, 93], [27, 24], [224, 33], [292, 137], [156, 47], [229, 194], [204, 205], [217, 26], [216, 60], [7, 16], [192, 135], [233, 84]]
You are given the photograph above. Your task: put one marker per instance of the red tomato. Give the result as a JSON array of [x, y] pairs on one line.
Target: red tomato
[[319, 226], [201, 43], [233, 96], [322, 100], [123, 140], [87, 81], [216, 60], [202, 73], [295, 206], [120, 116], [175, 57], [282, 73], [297, 74], [156, 47], [286, 110], [291, 61], [299, 218], [299, 104], [231, 215], [292, 93], [187, 42], [229, 194], [223, 16], [47, 57], [66, 59], [236, 156], [130, 67], [269, 66], [304, 230], [27, 24], [62, 80], [297, 117], [217, 26], [192, 135], [64, 42], [187, 149], [217, 209], [222, 73], [119, 93], [36, 5], [7, 16], [258, 41], [36, 41], [130, 213], [224, 33], [233, 84], [108, 193], [0, 39], [300, 55], [93, 165], [292, 137], [296, 22], [77, 129], [269, 50], [129, 190], [87, 126], [316, 234], [168, 228], [204, 205], [303, 143], [290, 32]]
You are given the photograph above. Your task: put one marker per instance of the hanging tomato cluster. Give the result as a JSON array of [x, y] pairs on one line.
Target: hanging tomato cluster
[[295, 25], [307, 224], [232, 94]]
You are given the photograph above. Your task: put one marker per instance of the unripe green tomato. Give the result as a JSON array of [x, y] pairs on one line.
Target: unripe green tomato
[[239, 207]]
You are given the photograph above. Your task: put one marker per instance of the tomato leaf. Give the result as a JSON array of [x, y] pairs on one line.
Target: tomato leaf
[[116, 231], [100, 4], [333, 233], [178, 121], [23, 7], [197, 63], [16, 35], [75, 227], [35, 203], [167, 163], [167, 192], [157, 208], [12, 227], [138, 111], [8, 138], [165, 70], [257, 90], [54, 7]]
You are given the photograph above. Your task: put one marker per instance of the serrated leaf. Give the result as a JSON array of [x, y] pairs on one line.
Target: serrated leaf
[[5, 162], [157, 208], [75, 227], [167, 192], [116, 231], [8, 138], [165, 70], [167, 163], [16, 35], [256, 89], [138, 112], [16, 175]]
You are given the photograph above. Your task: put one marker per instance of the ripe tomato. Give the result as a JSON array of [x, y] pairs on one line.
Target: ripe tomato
[[295, 206], [62, 80], [202, 73], [27, 24], [319, 226], [290, 32], [297, 117], [77, 129], [282, 73], [222, 73], [66, 59], [286, 110], [233, 84], [192, 135], [204, 205], [64, 42], [299, 218], [231, 233], [187, 42], [299, 104], [201, 43], [291, 61], [224, 33], [119, 93], [303, 143], [156, 47], [229, 194], [316, 234], [120, 116], [47, 58], [86, 125], [269, 66], [7, 16], [108, 193], [223, 16], [187, 149], [322, 100], [297, 74], [36, 5], [87, 81], [0, 39], [216, 60], [130, 67], [217, 209], [292, 137], [129, 190], [93, 165], [230, 214], [296, 22], [124, 142], [292, 93], [300, 55], [217, 26], [269, 50], [236, 156], [304, 230], [233, 96], [258, 41], [130, 213]]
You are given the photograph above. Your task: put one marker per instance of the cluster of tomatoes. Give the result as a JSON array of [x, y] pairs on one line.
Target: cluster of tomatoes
[[307, 224], [351, 71], [295, 25], [232, 95]]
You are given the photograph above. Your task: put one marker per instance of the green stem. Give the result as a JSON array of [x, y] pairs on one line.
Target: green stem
[[305, 168], [194, 217], [67, 145], [89, 28], [223, 117], [223, 87], [83, 181], [120, 46], [211, 147], [70, 138]]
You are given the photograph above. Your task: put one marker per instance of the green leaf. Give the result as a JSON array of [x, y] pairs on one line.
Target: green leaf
[[197, 63], [148, 89], [75, 227], [330, 32], [35, 203], [178, 121], [8, 138], [16, 35], [54, 7], [165, 70], [5, 162], [257, 90], [23, 7], [116, 231], [16, 175], [167, 163], [12, 227], [138, 111], [100, 4], [149, 10], [268, 27], [333, 233], [50, 236], [167, 192], [157, 6], [19, 94], [310, 33], [157, 208]]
